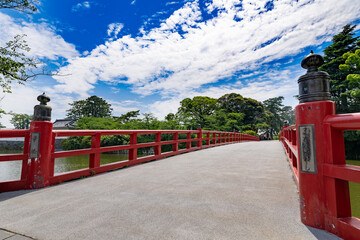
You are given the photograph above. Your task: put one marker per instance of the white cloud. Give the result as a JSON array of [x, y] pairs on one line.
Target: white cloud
[[114, 29], [23, 99], [133, 2], [123, 107], [41, 38], [186, 53], [267, 85], [79, 6]]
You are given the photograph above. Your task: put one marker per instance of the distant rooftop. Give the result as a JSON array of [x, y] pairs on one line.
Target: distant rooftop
[[64, 124]]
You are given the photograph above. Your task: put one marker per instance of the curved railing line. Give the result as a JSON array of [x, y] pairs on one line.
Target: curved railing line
[[203, 139]]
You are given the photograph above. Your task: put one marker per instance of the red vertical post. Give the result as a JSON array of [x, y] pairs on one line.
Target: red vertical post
[[25, 168], [157, 148], [39, 174], [311, 184], [188, 143], [52, 160], [314, 96], [337, 190], [95, 157], [133, 150], [40, 145], [176, 145], [207, 138], [199, 138]]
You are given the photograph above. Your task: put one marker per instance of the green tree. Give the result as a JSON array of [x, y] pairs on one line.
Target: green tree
[[126, 117], [193, 112], [352, 64], [25, 6], [14, 64], [91, 107], [278, 113], [344, 42], [21, 121], [232, 102]]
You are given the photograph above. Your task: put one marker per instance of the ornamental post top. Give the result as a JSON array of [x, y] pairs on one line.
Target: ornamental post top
[[312, 61], [314, 85], [43, 99], [42, 112]]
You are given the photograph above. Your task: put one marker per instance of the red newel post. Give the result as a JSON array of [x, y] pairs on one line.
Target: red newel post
[[176, 145], [199, 137], [133, 150], [315, 105], [95, 157], [157, 148], [40, 145]]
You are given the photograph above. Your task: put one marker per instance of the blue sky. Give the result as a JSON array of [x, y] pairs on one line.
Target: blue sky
[[149, 55]]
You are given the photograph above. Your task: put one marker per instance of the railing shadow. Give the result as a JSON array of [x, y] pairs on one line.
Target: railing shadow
[[322, 234]]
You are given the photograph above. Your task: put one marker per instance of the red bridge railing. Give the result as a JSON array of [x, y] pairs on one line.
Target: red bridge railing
[[288, 139], [332, 210], [39, 172]]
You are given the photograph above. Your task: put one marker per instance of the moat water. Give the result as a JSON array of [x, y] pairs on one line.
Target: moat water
[[12, 170]]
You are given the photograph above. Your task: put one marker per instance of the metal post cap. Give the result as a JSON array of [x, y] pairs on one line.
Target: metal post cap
[[42, 112], [314, 85], [43, 99], [312, 61]]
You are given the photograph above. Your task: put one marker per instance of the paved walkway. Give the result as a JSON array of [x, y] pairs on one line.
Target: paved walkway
[[237, 191]]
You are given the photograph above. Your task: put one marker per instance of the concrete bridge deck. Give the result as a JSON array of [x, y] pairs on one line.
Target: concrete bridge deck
[[236, 191]]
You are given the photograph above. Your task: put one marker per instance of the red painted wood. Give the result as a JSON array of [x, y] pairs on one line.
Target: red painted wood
[[94, 160], [133, 143]]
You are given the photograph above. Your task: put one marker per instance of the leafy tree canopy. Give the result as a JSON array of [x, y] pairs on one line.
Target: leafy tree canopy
[[21, 121], [91, 107], [26, 6], [342, 43]]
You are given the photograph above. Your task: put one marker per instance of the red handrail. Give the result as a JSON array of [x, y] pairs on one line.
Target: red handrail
[[336, 173], [288, 139], [13, 185], [211, 139]]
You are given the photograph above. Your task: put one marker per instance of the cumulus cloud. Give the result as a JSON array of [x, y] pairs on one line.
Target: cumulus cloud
[[45, 43], [114, 29], [79, 6], [186, 52], [23, 99], [41, 38], [267, 84]]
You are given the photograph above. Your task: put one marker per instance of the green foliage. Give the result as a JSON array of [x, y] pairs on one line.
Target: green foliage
[[91, 107], [342, 62], [251, 132], [194, 111], [231, 112], [14, 63], [277, 114], [124, 118], [21, 121], [336, 55], [352, 64], [352, 145], [97, 123], [26, 6]]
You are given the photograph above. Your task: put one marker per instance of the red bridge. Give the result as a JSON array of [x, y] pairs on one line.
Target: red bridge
[[241, 189]]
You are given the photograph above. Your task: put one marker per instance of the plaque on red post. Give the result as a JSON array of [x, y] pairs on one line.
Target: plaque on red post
[[307, 148]]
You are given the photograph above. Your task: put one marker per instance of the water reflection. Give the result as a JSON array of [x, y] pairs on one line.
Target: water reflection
[[82, 161], [12, 170]]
